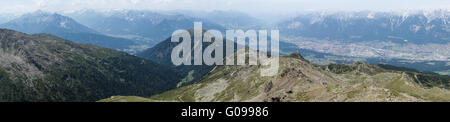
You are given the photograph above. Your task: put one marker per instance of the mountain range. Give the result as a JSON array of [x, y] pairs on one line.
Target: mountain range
[[147, 26], [419, 27], [414, 39], [65, 27], [52, 57]]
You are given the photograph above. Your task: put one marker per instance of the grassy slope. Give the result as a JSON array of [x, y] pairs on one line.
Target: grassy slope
[[300, 81]]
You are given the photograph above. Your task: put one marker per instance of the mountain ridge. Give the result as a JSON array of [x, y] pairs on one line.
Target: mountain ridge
[[43, 67], [298, 80]]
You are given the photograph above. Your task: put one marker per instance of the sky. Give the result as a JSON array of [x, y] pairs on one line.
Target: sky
[[248, 6]]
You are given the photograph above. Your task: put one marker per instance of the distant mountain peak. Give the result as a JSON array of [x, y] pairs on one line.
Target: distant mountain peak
[[46, 22]]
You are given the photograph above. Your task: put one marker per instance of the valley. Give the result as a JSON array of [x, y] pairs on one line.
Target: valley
[[124, 56]]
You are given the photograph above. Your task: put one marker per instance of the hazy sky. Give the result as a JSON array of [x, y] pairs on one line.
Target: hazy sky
[[249, 6]]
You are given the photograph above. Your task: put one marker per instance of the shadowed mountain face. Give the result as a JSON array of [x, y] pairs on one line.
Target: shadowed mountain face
[[161, 53], [64, 27], [47, 68], [298, 80]]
